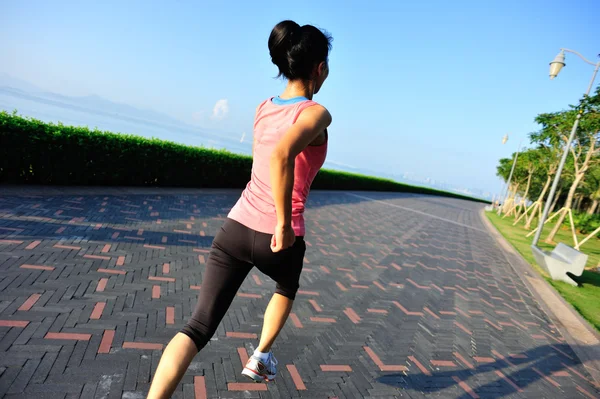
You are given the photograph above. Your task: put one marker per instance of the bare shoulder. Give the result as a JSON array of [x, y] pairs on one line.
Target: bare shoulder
[[317, 112]]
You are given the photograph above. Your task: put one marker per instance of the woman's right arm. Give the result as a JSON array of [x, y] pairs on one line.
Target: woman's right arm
[[311, 122]]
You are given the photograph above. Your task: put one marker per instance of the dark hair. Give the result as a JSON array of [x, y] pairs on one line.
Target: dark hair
[[296, 49]]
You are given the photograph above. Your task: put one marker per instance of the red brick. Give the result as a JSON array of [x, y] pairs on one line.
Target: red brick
[[245, 295], [561, 352], [480, 359], [142, 345], [36, 267], [195, 287], [106, 343], [120, 261], [101, 284], [373, 356], [170, 315], [166, 268], [69, 336], [322, 319], [382, 311], [325, 270], [426, 309], [403, 309], [232, 334], [243, 356], [443, 363], [106, 248], [493, 325], [154, 246], [331, 367], [463, 360], [586, 393], [28, 304], [314, 293], [296, 377], [465, 387], [11, 242], [457, 324], [33, 245], [246, 386], [352, 315], [13, 323], [341, 286], [165, 279], [98, 309], [423, 369], [155, 291], [378, 285], [550, 380], [315, 305], [111, 271], [296, 320], [256, 279]]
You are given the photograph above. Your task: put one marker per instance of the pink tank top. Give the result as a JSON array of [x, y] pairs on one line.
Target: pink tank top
[[256, 208]]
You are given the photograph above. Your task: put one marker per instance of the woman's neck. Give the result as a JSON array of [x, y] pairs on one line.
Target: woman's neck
[[298, 88]]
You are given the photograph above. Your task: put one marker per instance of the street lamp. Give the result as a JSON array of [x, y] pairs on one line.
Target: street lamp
[[555, 66], [512, 170]]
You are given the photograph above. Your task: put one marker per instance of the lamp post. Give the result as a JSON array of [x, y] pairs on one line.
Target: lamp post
[[555, 66], [512, 169]]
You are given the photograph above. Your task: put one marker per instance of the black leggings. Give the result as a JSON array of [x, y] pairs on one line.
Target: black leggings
[[236, 249]]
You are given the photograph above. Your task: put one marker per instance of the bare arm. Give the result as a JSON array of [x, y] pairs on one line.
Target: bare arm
[[312, 121]]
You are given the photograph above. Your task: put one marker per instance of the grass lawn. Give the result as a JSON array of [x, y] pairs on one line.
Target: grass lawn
[[586, 299]]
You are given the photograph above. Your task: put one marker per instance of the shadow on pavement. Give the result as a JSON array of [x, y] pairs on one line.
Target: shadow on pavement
[[549, 362]]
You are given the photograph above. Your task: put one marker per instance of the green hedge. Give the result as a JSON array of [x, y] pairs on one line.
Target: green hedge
[[36, 152]]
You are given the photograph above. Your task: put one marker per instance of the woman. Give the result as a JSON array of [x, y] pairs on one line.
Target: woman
[[266, 226]]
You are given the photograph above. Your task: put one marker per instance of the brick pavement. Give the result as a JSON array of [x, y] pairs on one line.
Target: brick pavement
[[405, 296]]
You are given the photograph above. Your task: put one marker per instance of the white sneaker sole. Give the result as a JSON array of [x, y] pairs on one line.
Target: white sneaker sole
[[257, 377]]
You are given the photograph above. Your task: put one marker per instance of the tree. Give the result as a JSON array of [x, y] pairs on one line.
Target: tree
[[584, 149], [503, 171], [591, 187], [548, 155]]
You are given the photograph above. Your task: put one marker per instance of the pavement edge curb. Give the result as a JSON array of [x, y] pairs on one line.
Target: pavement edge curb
[[548, 298]]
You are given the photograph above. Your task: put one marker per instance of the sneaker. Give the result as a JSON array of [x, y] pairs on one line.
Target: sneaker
[[258, 371]]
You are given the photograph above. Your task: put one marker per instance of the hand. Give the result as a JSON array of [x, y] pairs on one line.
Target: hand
[[283, 238]]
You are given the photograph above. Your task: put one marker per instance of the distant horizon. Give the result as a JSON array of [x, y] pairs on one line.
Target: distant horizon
[[331, 164]]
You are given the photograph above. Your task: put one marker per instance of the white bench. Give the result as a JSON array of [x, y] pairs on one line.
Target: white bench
[[561, 260]]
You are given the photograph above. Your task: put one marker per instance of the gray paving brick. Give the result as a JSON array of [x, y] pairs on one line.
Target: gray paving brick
[[368, 238]]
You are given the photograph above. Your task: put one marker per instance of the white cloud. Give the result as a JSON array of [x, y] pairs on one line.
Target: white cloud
[[221, 109]]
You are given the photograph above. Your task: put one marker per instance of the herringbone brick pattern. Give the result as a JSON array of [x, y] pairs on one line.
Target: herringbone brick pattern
[[402, 296]]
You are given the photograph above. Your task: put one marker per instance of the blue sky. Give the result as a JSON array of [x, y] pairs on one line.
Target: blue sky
[[421, 87]]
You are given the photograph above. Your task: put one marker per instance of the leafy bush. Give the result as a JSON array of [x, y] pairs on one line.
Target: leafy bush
[[36, 152], [583, 222]]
